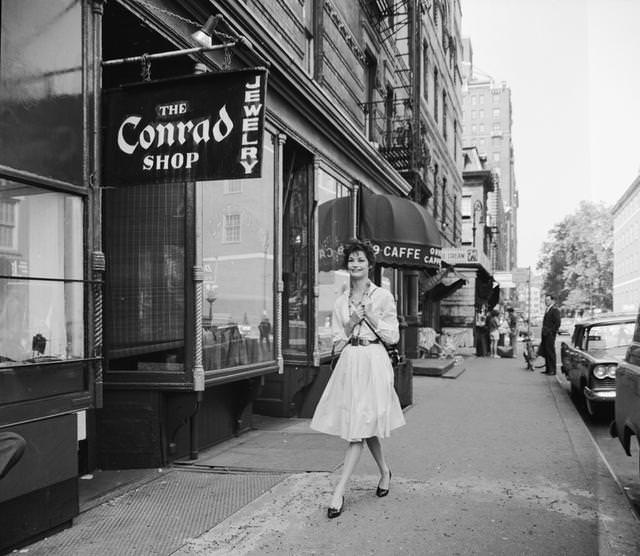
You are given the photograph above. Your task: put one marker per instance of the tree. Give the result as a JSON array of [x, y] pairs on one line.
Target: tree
[[578, 259]]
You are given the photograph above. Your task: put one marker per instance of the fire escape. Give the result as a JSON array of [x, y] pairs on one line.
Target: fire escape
[[400, 132]]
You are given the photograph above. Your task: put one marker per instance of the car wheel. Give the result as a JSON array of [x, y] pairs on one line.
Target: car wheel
[[574, 392]]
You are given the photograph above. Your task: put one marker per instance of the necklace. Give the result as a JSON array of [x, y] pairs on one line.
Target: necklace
[[358, 299]]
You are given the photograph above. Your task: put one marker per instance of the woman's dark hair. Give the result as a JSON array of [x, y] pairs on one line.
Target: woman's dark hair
[[354, 246]]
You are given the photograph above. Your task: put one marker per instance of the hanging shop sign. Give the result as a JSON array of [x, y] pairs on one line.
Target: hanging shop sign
[[201, 127]]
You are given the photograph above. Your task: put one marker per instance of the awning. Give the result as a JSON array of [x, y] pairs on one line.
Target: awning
[[441, 290], [494, 297], [402, 232]]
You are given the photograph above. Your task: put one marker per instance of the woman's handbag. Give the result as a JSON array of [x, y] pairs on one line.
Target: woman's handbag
[[392, 349]]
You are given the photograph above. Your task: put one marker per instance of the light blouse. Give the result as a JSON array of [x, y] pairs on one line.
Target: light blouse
[[383, 306]]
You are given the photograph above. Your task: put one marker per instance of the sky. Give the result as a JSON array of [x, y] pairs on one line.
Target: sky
[[573, 67]]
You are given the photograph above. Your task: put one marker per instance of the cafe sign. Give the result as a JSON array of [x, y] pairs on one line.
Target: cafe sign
[[406, 255], [201, 127]]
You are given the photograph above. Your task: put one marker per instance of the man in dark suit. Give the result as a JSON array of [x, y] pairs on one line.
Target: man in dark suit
[[550, 326]]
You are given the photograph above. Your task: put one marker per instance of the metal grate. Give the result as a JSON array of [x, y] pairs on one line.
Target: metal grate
[[159, 517], [144, 247]]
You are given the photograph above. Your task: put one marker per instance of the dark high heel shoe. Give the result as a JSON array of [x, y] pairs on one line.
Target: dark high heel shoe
[[335, 512], [380, 492]]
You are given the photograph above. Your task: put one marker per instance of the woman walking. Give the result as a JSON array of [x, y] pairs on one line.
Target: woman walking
[[494, 333], [359, 402]]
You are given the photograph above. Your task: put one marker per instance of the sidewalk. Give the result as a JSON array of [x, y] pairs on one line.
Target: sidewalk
[[496, 461]]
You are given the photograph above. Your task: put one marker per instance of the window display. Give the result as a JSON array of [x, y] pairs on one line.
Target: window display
[[237, 258], [41, 275]]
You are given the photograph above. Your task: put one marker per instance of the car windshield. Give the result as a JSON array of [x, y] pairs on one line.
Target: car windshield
[[608, 336]]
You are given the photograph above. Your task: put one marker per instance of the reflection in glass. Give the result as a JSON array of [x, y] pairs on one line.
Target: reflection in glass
[[334, 224], [41, 86], [237, 252], [295, 271], [40, 321], [40, 237], [40, 232]]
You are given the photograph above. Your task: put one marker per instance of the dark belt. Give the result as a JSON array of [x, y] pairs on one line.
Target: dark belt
[[362, 341]]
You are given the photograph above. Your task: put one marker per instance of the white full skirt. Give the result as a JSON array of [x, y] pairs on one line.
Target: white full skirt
[[359, 400]]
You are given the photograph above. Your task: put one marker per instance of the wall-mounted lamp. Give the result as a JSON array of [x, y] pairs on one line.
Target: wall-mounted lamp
[[203, 35], [203, 38]]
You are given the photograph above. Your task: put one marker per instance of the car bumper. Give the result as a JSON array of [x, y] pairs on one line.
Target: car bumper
[[599, 395]]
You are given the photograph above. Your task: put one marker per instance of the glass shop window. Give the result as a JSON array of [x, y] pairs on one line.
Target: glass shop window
[[334, 229], [41, 87], [237, 258], [296, 267], [42, 291]]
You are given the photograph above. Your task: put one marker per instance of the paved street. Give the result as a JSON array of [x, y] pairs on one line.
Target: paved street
[[496, 461]]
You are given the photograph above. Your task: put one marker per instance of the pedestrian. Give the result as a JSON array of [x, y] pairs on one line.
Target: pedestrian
[[550, 327], [482, 333], [512, 322], [359, 403], [264, 328], [493, 324]]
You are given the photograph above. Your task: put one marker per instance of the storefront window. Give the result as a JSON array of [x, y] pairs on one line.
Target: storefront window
[[41, 86], [296, 264], [41, 275], [237, 259], [335, 223]]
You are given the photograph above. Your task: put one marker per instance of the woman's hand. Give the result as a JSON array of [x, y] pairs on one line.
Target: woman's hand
[[356, 316]]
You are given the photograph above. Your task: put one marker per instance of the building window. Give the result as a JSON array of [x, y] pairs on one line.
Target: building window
[[481, 143], [474, 100], [474, 129], [455, 139], [496, 98], [444, 116], [481, 128], [481, 98], [435, 191], [497, 142], [231, 228], [389, 109], [370, 69], [496, 113], [308, 17], [444, 200], [425, 71], [474, 114], [496, 157], [455, 217], [465, 206], [435, 94], [8, 211], [232, 186], [481, 114], [497, 127]]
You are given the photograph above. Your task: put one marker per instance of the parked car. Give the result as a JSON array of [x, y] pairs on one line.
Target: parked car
[[627, 410], [598, 345], [566, 326]]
